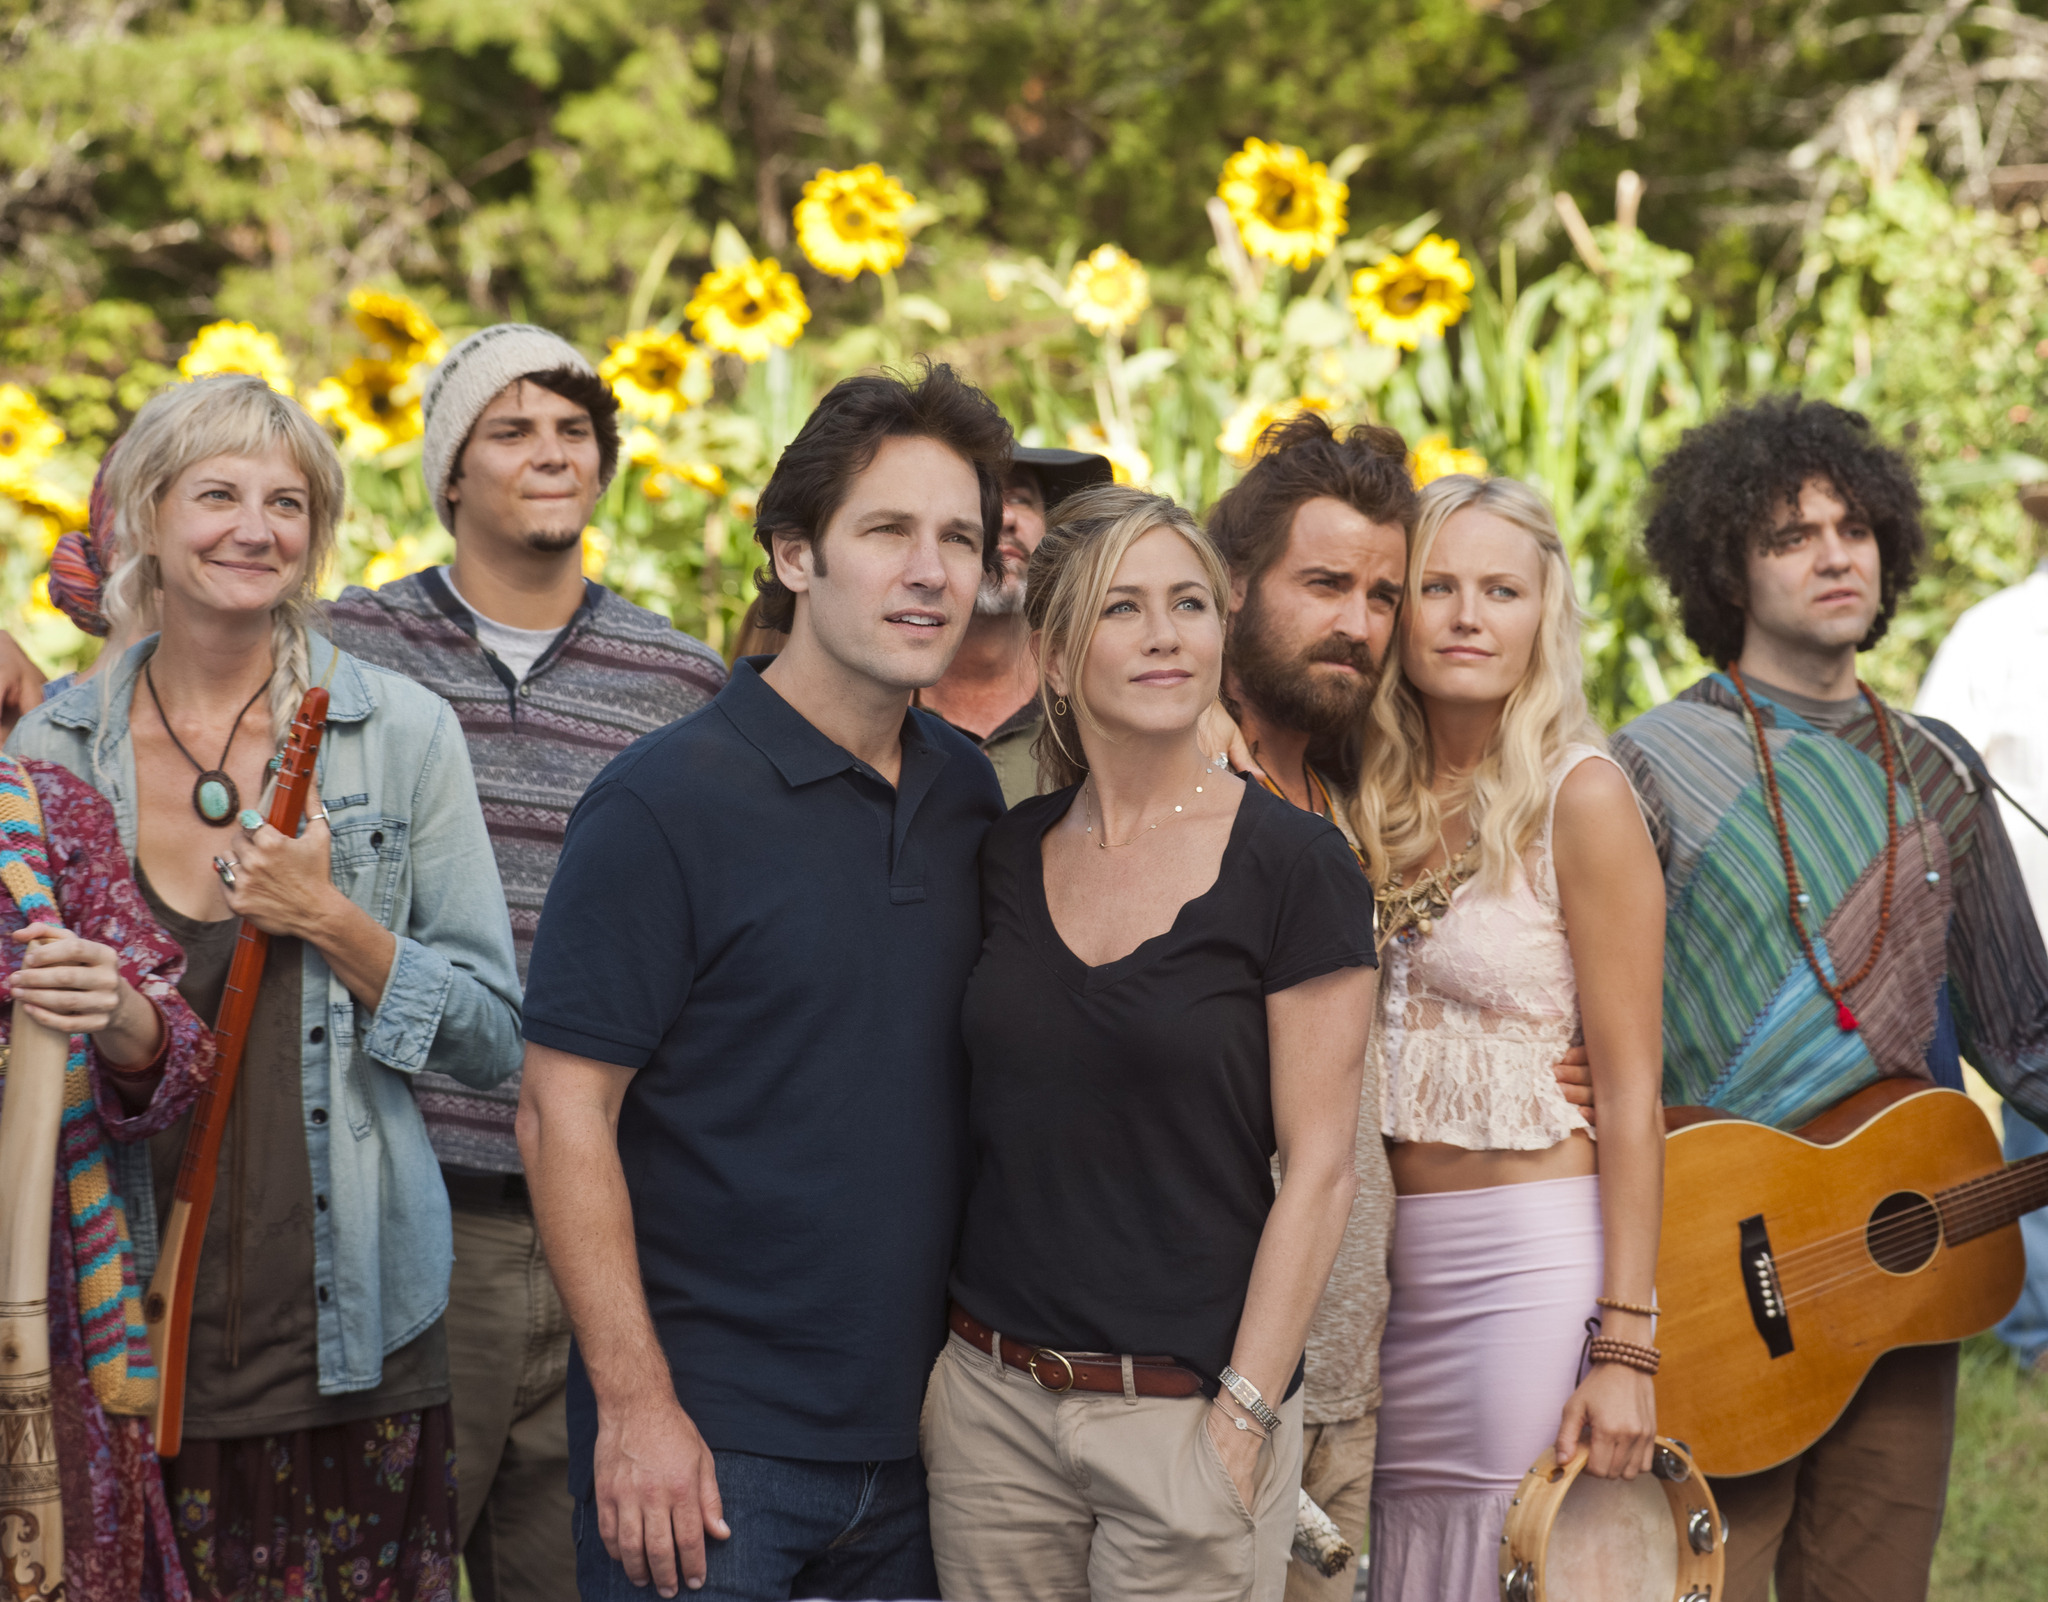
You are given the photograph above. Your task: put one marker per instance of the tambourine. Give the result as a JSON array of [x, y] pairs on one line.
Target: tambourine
[[1570, 1537]]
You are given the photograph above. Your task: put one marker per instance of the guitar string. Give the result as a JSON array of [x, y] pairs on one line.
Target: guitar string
[[1973, 1200], [1852, 1252], [1885, 1233]]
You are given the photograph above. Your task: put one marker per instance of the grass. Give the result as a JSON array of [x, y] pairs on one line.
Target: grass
[[1994, 1540]]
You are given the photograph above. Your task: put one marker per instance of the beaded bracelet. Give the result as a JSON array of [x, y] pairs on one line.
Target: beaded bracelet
[[1621, 1306], [1643, 1359]]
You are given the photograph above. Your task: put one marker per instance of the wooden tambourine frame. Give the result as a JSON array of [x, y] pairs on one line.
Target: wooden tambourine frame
[[1696, 1526]]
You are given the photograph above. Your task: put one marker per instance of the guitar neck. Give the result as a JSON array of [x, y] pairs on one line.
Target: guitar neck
[[1978, 1206]]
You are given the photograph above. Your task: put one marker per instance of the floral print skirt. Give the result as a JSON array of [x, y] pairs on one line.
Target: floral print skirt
[[359, 1512]]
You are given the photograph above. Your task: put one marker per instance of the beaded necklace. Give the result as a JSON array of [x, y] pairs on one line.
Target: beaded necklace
[[1797, 897], [1319, 803]]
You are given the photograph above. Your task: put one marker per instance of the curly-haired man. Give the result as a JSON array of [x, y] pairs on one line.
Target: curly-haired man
[[1787, 533]]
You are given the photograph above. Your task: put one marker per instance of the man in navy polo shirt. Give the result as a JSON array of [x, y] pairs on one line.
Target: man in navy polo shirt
[[742, 1116]]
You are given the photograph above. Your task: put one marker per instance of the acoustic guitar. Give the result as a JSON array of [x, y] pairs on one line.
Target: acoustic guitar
[[1790, 1263]]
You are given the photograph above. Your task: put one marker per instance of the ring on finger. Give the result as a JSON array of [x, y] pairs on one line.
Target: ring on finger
[[225, 867], [250, 819], [320, 816]]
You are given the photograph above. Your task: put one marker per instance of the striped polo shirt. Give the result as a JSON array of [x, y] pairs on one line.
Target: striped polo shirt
[[615, 672]]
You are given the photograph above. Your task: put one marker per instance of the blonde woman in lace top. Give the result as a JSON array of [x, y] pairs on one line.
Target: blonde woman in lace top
[[1523, 909]]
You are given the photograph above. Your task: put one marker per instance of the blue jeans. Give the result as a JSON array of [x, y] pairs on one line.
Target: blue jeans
[[799, 1529], [2025, 1328]]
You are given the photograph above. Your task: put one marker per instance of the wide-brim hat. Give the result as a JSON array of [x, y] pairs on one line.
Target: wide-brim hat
[[2033, 499], [1063, 473]]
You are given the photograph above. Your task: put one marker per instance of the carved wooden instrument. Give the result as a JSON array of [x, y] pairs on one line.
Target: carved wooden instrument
[[31, 1517], [168, 1308], [1791, 1262], [1571, 1538]]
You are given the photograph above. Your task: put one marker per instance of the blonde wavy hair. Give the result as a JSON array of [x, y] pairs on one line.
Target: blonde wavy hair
[[1399, 818], [1065, 587], [226, 414]]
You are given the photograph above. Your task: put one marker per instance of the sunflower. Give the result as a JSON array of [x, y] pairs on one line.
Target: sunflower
[[852, 222], [397, 326], [641, 447], [1245, 426], [406, 554], [1127, 464], [375, 404], [1407, 299], [747, 307], [1107, 290], [51, 510], [1435, 456], [1287, 208], [597, 550], [652, 373], [236, 348], [706, 476], [27, 433]]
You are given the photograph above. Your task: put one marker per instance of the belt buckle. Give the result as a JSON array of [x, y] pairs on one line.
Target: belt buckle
[[1031, 1368]]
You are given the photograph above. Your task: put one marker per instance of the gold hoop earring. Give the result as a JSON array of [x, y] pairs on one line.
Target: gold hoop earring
[[1059, 707]]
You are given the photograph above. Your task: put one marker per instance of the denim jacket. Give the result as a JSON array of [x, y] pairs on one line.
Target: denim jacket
[[410, 850]]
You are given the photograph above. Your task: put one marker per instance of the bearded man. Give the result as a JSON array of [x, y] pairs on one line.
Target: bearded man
[[1316, 535]]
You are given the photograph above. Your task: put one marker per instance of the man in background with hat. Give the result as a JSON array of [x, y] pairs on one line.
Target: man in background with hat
[[551, 675], [990, 693], [1985, 682]]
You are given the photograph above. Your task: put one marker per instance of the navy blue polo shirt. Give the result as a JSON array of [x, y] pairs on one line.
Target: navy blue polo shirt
[[777, 942]]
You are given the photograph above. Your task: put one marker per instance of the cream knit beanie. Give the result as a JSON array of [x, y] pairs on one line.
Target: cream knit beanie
[[469, 379]]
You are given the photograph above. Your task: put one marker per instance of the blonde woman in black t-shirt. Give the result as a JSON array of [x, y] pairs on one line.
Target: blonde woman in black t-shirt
[[1174, 984]]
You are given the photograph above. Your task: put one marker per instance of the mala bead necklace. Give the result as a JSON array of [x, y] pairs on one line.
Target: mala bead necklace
[[214, 796], [1837, 993]]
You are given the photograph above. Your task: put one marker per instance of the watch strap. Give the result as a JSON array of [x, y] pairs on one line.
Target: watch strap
[[1247, 1396]]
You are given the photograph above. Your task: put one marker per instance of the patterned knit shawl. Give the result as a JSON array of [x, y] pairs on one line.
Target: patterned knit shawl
[[1746, 1026], [116, 1345]]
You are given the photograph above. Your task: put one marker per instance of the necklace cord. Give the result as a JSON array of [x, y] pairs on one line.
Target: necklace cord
[[1836, 992], [221, 766]]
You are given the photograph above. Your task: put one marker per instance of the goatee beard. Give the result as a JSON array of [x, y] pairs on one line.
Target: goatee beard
[[1287, 691], [552, 540]]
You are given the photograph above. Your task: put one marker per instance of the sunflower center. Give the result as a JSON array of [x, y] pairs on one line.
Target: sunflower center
[[1408, 294], [749, 310], [9, 439]]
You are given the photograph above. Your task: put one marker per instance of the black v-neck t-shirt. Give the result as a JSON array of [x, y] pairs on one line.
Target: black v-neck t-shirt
[[1121, 1117]]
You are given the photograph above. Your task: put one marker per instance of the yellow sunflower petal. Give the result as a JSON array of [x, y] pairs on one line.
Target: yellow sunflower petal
[[1435, 457], [1407, 299], [1127, 464], [227, 347], [1245, 426], [27, 433], [375, 404], [398, 326], [748, 308], [1287, 208], [852, 222], [652, 374], [1107, 290]]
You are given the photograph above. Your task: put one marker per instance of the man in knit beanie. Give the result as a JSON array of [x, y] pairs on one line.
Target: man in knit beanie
[[550, 675]]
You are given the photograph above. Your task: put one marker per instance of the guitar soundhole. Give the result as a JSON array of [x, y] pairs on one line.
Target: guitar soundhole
[[1904, 1232]]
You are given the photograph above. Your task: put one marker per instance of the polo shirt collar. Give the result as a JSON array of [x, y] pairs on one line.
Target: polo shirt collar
[[799, 751]]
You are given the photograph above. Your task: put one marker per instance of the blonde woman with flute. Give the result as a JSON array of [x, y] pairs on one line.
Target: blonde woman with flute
[[317, 1438]]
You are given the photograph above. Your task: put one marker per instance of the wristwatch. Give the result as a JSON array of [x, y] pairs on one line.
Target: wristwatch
[[1248, 1397]]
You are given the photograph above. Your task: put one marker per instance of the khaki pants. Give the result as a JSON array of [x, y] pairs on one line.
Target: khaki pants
[[508, 1362], [1854, 1517], [1336, 1471], [1038, 1497]]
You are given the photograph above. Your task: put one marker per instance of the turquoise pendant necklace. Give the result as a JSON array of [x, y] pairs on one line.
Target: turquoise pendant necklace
[[214, 796]]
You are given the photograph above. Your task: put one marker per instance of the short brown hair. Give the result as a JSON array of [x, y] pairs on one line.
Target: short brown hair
[[838, 442], [1303, 458]]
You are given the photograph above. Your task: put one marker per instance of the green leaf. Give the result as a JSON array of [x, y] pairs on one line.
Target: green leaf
[[728, 249]]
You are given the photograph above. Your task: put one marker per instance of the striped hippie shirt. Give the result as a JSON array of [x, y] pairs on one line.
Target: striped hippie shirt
[[616, 672], [1746, 1026]]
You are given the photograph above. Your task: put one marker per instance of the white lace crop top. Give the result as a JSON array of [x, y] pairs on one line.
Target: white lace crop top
[[1474, 1016]]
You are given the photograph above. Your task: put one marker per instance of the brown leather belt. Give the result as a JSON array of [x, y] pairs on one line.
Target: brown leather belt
[[1079, 1371]]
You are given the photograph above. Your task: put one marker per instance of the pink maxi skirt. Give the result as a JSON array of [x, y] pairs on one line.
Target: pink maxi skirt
[[1491, 1290]]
